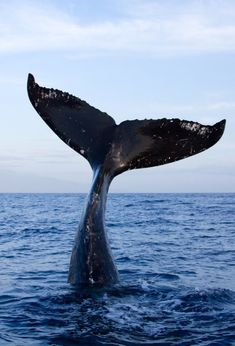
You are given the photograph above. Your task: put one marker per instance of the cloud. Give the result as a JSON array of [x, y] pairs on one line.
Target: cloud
[[223, 105], [158, 30]]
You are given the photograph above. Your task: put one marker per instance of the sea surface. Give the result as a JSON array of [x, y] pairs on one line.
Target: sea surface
[[176, 258]]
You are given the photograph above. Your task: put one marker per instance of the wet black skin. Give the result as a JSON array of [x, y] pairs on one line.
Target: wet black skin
[[91, 260], [112, 149]]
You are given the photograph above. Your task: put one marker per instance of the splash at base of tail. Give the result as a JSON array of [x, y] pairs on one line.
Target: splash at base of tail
[[112, 149]]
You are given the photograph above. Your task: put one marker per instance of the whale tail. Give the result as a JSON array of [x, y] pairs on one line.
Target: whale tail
[[129, 145], [111, 149]]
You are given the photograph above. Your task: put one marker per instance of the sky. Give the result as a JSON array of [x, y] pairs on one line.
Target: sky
[[133, 59]]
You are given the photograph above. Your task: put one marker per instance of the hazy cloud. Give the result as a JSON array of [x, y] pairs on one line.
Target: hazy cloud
[[195, 29], [223, 105]]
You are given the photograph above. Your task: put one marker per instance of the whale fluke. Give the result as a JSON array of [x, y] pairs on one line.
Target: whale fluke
[[148, 143], [84, 128], [132, 144], [112, 149]]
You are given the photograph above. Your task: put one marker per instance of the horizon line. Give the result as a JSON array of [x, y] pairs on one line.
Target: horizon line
[[113, 193]]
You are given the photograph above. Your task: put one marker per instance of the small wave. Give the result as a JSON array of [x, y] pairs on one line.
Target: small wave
[[205, 300], [8, 299], [156, 221], [163, 276], [118, 224], [112, 224], [152, 201], [167, 276], [123, 259], [29, 232], [5, 339]]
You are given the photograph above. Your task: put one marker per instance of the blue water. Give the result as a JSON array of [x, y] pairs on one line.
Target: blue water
[[176, 258]]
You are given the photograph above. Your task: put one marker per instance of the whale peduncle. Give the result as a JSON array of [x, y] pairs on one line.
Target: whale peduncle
[[91, 260]]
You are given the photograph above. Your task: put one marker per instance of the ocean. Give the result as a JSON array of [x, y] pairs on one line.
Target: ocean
[[175, 254]]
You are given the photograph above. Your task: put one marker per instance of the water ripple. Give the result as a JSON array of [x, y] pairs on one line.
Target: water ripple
[[175, 254]]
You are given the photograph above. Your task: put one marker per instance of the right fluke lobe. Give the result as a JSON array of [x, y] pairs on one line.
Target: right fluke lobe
[[148, 143]]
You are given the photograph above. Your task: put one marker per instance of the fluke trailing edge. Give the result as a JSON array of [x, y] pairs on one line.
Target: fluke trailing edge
[[112, 149]]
